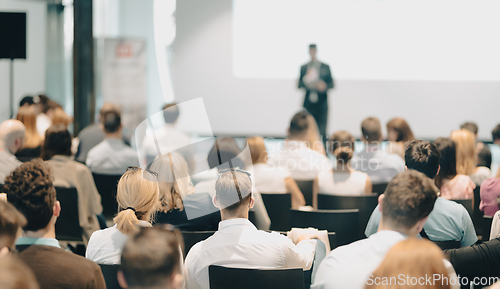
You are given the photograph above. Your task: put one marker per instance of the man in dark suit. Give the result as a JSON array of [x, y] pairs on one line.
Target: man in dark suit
[[316, 79]]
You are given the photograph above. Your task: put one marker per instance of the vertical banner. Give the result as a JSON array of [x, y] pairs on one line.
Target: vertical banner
[[124, 79]]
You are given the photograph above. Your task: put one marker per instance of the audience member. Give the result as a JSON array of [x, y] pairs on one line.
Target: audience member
[[44, 109], [179, 205], [111, 156], [302, 162], [405, 205], [238, 243], [12, 134], [225, 154], [56, 150], [482, 150], [30, 189], [151, 260], [415, 259], [314, 139], [14, 274], [490, 192], [453, 186], [26, 101], [270, 179], [495, 150], [11, 222], [380, 166], [467, 156], [343, 179], [33, 141], [448, 221], [59, 116], [398, 132], [137, 195]]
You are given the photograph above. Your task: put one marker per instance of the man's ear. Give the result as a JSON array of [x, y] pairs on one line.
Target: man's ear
[[101, 126], [56, 209], [121, 279], [252, 202], [380, 198], [214, 201], [177, 281], [4, 251], [439, 169], [406, 167], [420, 225]]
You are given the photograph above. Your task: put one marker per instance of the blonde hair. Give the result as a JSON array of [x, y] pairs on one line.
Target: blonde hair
[[257, 149], [137, 200], [27, 116], [414, 258], [466, 151], [60, 117], [174, 180], [313, 138]]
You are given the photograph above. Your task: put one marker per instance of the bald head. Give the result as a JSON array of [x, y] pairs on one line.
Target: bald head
[[12, 134]]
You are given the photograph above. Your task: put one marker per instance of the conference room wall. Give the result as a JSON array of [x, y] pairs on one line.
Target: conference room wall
[[202, 66]]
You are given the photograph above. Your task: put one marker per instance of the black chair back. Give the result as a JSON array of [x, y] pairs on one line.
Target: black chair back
[[230, 278], [467, 203], [379, 189], [477, 215], [486, 227], [1, 188], [193, 237], [68, 224], [106, 186], [343, 222], [365, 204], [306, 187], [109, 273], [278, 208]]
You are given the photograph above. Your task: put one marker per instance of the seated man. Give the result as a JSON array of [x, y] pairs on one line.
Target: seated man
[[495, 150], [238, 243], [30, 189], [380, 166], [151, 259], [11, 221], [407, 202], [12, 133], [449, 221]]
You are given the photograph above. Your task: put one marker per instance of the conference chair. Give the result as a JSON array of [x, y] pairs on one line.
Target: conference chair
[[230, 278], [467, 203], [379, 189], [278, 208], [106, 186], [109, 273], [193, 237], [477, 214], [68, 223], [332, 238], [1, 188], [343, 222], [486, 228], [306, 187], [365, 204]]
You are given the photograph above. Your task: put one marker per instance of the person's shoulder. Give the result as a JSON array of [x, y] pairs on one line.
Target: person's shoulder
[[448, 207], [78, 263]]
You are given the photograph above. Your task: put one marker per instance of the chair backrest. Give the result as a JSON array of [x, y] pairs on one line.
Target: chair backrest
[[109, 273], [68, 224], [106, 186], [379, 189], [343, 222], [365, 204], [306, 187], [1, 188], [278, 208], [477, 214], [467, 203], [230, 278], [486, 227], [193, 237]]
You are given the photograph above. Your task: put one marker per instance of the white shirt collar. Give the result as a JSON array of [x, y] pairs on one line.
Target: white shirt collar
[[297, 144], [235, 222]]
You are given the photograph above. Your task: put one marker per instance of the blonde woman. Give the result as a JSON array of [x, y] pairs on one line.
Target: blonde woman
[[467, 156], [313, 138], [270, 179], [179, 205], [33, 141], [138, 200], [398, 132]]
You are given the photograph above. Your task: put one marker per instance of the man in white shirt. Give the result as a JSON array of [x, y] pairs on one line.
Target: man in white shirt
[[12, 133], [111, 156], [238, 243], [380, 166], [407, 202], [302, 162]]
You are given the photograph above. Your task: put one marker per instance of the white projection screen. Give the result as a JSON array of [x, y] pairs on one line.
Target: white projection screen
[[434, 62]]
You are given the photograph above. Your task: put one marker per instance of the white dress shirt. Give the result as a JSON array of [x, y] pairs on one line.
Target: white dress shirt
[[111, 157], [342, 183], [239, 244], [105, 246], [380, 166], [8, 163], [302, 162], [270, 179], [43, 122]]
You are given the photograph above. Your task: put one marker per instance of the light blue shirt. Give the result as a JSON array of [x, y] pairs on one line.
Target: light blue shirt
[[37, 241], [111, 157], [495, 158], [349, 266], [448, 221], [380, 166]]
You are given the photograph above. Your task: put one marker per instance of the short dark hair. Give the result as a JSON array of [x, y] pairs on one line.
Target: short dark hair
[[10, 222], [170, 112], [495, 133], [111, 120], [57, 142], [470, 126], [422, 156], [225, 154], [26, 100], [409, 197], [299, 124], [233, 190], [371, 129], [150, 257], [312, 46], [448, 159], [30, 189]]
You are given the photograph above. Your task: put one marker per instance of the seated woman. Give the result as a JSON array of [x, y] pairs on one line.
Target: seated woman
[[490, 192], [56, 150], [343, 179], [398, 132], [33, 142], [179, 205], [137, 195], [453, 186], [314, 140], [270, 179], [467, 156]]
